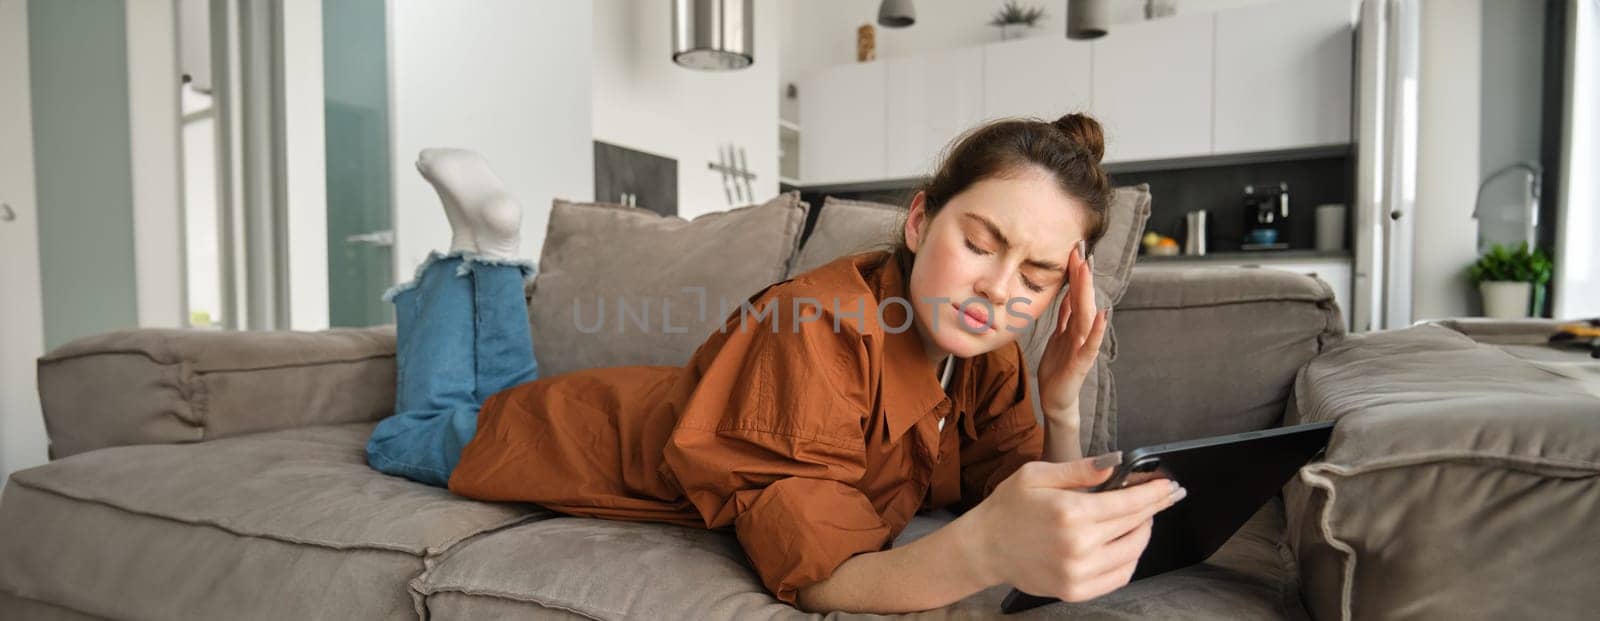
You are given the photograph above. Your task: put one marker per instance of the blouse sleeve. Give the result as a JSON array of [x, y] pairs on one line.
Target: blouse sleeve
[[771, 441], [1006, 434]]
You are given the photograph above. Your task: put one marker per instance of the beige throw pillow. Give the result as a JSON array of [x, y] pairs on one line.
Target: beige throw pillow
[[659, 279]]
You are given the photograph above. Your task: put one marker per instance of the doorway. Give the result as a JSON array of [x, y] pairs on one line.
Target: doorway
[[360, 188]]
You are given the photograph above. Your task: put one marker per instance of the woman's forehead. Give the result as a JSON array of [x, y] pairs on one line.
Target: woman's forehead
[[1027, 210]]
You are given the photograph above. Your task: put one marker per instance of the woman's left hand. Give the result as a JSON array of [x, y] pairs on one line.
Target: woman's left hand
[[1073, 345]]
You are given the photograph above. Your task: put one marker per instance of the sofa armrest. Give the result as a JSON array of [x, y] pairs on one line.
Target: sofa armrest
[[1461, 480], [163, 386], [1213, 350]]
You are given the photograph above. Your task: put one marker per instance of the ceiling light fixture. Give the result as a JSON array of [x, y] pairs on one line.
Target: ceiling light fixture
[[896, 14], [1087, 19], [713, 35]]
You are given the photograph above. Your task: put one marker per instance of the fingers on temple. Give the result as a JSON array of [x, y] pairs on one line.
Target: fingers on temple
[[1097, 333], [1064, 313], [1083, 311]]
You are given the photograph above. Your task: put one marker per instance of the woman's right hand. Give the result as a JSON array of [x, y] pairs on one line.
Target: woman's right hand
[[1041, 532]]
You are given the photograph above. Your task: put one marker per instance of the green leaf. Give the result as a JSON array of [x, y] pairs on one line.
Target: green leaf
[[1522, 265]]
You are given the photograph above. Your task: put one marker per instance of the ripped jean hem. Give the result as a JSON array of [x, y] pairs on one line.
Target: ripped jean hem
[[381, 461], [528, 267]]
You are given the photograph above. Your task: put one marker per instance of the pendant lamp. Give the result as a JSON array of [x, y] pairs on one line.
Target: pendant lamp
[[713, 35], [1087, 19], [896, 13]]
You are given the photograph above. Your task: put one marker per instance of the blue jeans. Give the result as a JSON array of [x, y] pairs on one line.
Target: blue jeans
[[461, 335]]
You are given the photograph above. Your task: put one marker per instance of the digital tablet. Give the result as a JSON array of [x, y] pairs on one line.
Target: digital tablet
[[1229, 478]]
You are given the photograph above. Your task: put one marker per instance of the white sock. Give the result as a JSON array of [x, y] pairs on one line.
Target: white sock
[[497, 223], [461, 237], [485, 213]]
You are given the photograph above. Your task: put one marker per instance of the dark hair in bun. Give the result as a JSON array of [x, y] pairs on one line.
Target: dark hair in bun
[[1070, 148], [1084, 132]]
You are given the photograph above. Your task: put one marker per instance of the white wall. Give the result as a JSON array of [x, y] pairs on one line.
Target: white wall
[[305, 170], [1448, 106], [153, 81], [643, 101], [509, 79], [22, 436], [1577, 285]]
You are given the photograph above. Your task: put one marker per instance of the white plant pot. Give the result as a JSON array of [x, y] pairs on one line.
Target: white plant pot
[[1505, 299]]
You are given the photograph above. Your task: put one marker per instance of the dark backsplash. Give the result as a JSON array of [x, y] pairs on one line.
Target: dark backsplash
[[1217, 188], [1220, 191]]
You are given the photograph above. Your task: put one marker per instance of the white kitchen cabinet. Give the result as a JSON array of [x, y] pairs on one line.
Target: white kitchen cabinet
[[842, 109], [932, 98], [1283, 75], [1152, 88], [1262, 77], [1043, 77]]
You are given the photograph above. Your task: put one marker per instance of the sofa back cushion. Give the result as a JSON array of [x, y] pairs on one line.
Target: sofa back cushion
[[162, 386], [1208, 351], [621, 286], [848, 226]]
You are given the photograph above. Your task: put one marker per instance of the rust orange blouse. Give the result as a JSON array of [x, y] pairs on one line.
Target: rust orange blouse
[[814, 444]]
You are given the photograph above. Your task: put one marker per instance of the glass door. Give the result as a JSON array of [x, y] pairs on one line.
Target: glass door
[[360, 219]]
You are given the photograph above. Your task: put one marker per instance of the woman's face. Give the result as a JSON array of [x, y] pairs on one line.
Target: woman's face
[[996, 255]]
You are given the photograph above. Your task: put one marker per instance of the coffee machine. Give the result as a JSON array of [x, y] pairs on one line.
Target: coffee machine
[[1266, 216]]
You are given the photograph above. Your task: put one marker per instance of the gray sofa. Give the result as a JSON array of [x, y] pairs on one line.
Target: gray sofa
[[202, 475]]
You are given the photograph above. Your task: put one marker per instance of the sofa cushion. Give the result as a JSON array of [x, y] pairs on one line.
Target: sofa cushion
[[850, 226], [287, 524], [1461, 481], [664, 283], [631, 570], [158, 386], [846, 227], [35, 610], [1213, 351]]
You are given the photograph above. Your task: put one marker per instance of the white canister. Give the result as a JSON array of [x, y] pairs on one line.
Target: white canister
[[1330, 227]]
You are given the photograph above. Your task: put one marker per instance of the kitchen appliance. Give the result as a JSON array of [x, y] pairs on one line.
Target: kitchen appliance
[[1266, 216], [1194, 237]]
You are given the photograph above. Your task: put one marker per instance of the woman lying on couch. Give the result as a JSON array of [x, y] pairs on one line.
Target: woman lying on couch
[[826, 411]]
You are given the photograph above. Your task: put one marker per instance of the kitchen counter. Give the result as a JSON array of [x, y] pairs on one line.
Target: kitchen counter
[[1251, 256]]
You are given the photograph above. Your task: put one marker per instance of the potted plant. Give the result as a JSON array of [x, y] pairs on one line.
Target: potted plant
[[1012, 18], [1508, 280]]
